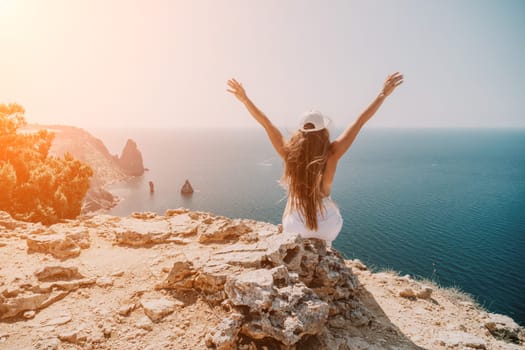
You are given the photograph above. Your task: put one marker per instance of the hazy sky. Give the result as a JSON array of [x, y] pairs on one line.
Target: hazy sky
[[131, 63]]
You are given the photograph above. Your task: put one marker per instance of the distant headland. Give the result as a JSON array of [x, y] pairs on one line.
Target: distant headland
[[107, 168]]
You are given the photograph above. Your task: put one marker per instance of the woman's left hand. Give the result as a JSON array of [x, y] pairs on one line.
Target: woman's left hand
[[237, 89], [391, 82]]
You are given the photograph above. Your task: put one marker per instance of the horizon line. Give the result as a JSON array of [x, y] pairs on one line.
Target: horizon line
[[287, 128], [172, 127]]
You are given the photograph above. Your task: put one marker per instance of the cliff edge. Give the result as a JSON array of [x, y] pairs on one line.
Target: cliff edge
[[194, 280]]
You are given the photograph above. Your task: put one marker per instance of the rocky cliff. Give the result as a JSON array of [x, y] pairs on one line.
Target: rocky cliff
[[194, 280], [107, 168]]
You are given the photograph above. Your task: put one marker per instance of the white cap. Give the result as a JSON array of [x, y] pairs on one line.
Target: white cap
[[316, 118]]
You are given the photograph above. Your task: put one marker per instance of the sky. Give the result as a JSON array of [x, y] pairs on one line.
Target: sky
[[165, 63]]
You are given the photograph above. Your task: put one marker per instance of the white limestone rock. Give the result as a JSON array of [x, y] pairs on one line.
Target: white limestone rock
[[157, 309], [57, 272], [460, 338]]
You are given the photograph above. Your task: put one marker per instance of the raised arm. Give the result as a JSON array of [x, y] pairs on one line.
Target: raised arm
[[274, 134], [345, 140]]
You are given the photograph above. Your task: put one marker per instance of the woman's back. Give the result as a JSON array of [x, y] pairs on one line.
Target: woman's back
[[305, 160]]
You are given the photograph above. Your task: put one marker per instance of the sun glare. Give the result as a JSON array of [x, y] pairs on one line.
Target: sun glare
[[7, 7], [6, 4]]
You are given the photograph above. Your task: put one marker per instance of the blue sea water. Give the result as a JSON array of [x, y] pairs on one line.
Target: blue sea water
[[444, 204]]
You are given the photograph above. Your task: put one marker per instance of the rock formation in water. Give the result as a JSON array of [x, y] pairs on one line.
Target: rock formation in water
[[131, 159], [151, 187], [186, 188], [194, 280]]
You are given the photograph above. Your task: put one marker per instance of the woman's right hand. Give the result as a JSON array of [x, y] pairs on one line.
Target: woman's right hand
[[237, 89], [391, 82]]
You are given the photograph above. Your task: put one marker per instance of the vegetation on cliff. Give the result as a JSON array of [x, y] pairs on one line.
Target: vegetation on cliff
[[35, 186]]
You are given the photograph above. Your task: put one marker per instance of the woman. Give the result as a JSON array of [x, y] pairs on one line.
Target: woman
[[310, 161]]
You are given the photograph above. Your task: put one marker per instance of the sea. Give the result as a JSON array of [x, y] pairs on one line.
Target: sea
[[445, 204]]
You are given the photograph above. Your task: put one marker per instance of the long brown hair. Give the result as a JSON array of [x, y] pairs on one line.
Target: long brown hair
[[305, 161]]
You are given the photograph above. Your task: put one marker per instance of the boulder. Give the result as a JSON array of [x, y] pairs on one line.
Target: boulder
[[504, 328], [59, 245], [181, 276], [158, 308], [287, 249], [57, 272]]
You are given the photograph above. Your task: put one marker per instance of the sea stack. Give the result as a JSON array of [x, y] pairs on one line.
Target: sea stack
[[186, 188], [151, 187], [131, 159]]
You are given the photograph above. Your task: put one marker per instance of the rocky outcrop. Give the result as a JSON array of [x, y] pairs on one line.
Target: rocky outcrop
[[57, 272], [192, 280], [26, 297], [285, 294], [504, 328], [130, 160], [60, 241]]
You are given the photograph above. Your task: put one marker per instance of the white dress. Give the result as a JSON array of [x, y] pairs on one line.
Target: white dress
[[329, 222]]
